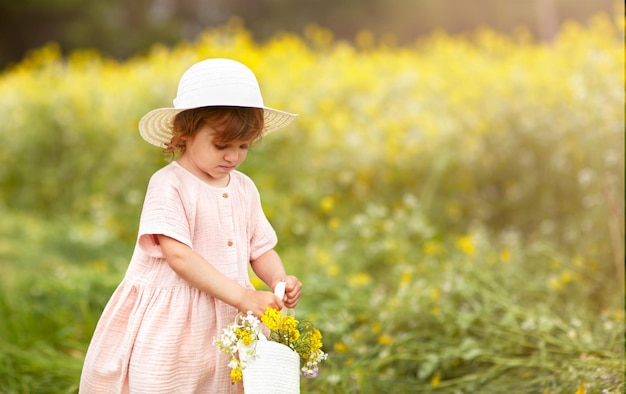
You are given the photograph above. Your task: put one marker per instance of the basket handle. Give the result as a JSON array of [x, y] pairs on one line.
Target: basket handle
[[279, 291]]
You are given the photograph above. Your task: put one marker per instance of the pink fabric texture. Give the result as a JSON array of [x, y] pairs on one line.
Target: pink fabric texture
[[156, 332]]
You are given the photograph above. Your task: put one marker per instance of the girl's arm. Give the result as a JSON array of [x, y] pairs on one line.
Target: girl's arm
[[199, 273], [269, 268]]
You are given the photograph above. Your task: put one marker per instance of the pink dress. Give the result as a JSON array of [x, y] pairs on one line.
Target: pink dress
[[156, 332]]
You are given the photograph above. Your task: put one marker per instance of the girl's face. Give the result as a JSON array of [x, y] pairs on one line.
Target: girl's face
[[211, 160]]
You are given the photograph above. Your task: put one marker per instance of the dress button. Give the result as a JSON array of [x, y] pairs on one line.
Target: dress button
[[225, 195], [230, 243]]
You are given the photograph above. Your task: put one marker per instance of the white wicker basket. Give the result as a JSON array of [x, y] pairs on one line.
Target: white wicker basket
[[274, 370]]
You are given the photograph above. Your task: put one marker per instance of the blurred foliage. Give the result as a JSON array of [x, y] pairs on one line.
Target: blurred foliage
[[496, 131], [121, 28], [454, 208], [468, 315]]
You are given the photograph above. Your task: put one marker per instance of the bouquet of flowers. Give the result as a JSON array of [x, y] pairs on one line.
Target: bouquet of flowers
[[243, 335]]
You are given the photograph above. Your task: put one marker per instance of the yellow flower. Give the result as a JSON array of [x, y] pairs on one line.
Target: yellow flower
[[289, 325], [466, 244], [327, 204], [385, 339], [505, 255], [566, 277], [435, 380], [405, 279], [358, 280], [333, 270], [316, 338], [323, 257], [559, 282], [101, 266], [432, 248], [340, 347], [555, 283], [582, 389], [271, 318], [244, 335], [235, 375]]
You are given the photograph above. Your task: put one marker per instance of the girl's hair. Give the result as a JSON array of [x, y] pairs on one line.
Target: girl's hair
[[230, 123]]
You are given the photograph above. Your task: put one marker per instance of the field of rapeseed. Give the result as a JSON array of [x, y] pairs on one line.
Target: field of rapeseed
[[454, 208]]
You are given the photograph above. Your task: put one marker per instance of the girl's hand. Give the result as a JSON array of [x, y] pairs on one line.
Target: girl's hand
[[258, 302], [293, 290]]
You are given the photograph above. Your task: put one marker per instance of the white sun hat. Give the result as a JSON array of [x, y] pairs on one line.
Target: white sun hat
[[211, 82]]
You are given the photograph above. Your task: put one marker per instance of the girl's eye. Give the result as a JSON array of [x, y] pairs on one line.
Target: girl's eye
[[222, 147]]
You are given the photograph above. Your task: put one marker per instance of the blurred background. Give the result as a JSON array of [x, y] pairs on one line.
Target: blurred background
[[451, 195], [121, 30]]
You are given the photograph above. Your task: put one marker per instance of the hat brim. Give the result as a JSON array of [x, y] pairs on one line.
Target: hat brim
[[156, 126]]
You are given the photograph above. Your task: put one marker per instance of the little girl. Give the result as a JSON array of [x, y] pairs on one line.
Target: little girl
[[201, 225]]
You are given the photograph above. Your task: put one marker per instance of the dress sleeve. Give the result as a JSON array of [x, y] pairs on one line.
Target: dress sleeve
[[263, 235], [163, 213]]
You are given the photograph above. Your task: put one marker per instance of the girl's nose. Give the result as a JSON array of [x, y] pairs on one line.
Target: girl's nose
[[231, 155]]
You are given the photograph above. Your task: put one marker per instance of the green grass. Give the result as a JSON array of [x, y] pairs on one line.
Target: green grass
[[52, 291], [462, 315]]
